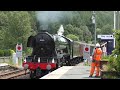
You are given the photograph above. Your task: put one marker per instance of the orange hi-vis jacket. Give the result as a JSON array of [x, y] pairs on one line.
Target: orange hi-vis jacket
[[97, 54]]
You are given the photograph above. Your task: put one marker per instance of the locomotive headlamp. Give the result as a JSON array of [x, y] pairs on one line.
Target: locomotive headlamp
[[53, 61], [39, 59], [48, 67], [25, 60]]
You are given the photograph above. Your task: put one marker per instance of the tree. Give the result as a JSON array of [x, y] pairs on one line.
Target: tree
[[18, 25], [3, 28], [19, 29], [69, 29], [33, 20], [107, 29], [73, 37], [98, 32], [86, 33]]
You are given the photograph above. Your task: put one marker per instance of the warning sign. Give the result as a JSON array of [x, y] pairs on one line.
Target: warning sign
[[19, 50], [86, 52]]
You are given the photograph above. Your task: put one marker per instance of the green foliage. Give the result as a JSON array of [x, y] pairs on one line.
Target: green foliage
[[108, 76], [1, 53], [5, 53], [28, 51], [17, 26], [107, 29], [86, 34], [73, 37], [12, 51], [105, 58], [114, 61], [80, 24]]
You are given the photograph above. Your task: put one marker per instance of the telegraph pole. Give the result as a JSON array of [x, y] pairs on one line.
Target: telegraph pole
[[114, 20], [94, 22], [117, 20]]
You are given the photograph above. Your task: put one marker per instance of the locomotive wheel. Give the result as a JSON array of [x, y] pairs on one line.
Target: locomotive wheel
[[38, 72], [32, 75]]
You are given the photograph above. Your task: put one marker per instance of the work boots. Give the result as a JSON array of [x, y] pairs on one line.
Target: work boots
[[90, 76]]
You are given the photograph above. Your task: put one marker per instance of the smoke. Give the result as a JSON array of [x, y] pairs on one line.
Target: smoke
[[46, 17]]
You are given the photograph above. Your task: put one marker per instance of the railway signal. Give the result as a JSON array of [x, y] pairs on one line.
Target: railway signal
[[19, 50], [86, 49], [86, 52]]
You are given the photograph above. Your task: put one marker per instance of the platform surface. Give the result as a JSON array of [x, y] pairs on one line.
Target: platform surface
[[70, 72]]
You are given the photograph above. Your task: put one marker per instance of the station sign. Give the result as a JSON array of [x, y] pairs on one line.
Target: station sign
[[105, 36]]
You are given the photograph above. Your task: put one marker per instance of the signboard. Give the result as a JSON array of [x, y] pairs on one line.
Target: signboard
[[19, 50], [105, 36], [86, 52]]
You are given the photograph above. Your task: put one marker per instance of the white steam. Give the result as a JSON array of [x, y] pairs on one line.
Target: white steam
[[61, 30], [46, 17]]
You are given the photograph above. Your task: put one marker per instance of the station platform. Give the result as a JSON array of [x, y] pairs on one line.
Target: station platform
[[70, 72]]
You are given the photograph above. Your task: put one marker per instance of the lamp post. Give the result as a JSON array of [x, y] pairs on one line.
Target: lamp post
[[94, 22], [116, 23], [114, 20]]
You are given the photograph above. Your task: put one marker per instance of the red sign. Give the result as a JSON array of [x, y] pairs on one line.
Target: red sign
[[19, 48], [86, 49]]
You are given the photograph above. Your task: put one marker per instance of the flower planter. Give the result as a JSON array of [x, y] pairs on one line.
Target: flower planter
[[110, 75], [103, 63]]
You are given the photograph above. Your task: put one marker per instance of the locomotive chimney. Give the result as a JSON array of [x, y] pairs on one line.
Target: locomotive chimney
[[41, 27]]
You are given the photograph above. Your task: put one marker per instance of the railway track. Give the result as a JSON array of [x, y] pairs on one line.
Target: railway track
[[13, 74], [17, 74]]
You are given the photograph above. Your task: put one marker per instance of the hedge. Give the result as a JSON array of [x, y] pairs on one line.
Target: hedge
[[5, 53]]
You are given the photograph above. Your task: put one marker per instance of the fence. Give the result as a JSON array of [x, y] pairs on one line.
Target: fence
[[5, 59]]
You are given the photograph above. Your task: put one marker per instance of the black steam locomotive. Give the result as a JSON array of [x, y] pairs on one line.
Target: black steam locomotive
[[51, 52]]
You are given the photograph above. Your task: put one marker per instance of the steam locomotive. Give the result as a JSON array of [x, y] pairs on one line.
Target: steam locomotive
[[51, 52]]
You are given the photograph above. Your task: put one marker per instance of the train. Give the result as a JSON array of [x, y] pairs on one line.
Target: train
[[50, 52]]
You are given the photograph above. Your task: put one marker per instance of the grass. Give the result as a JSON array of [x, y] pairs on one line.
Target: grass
[[86, 63]]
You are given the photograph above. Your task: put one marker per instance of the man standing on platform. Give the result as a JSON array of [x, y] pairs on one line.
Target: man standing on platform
[[96, 57]]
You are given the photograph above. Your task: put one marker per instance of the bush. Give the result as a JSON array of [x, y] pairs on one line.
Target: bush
[[5, 53], [73, 37], [1, 53], [105, 58], [11, 51], [28, 51], [114, 60]]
